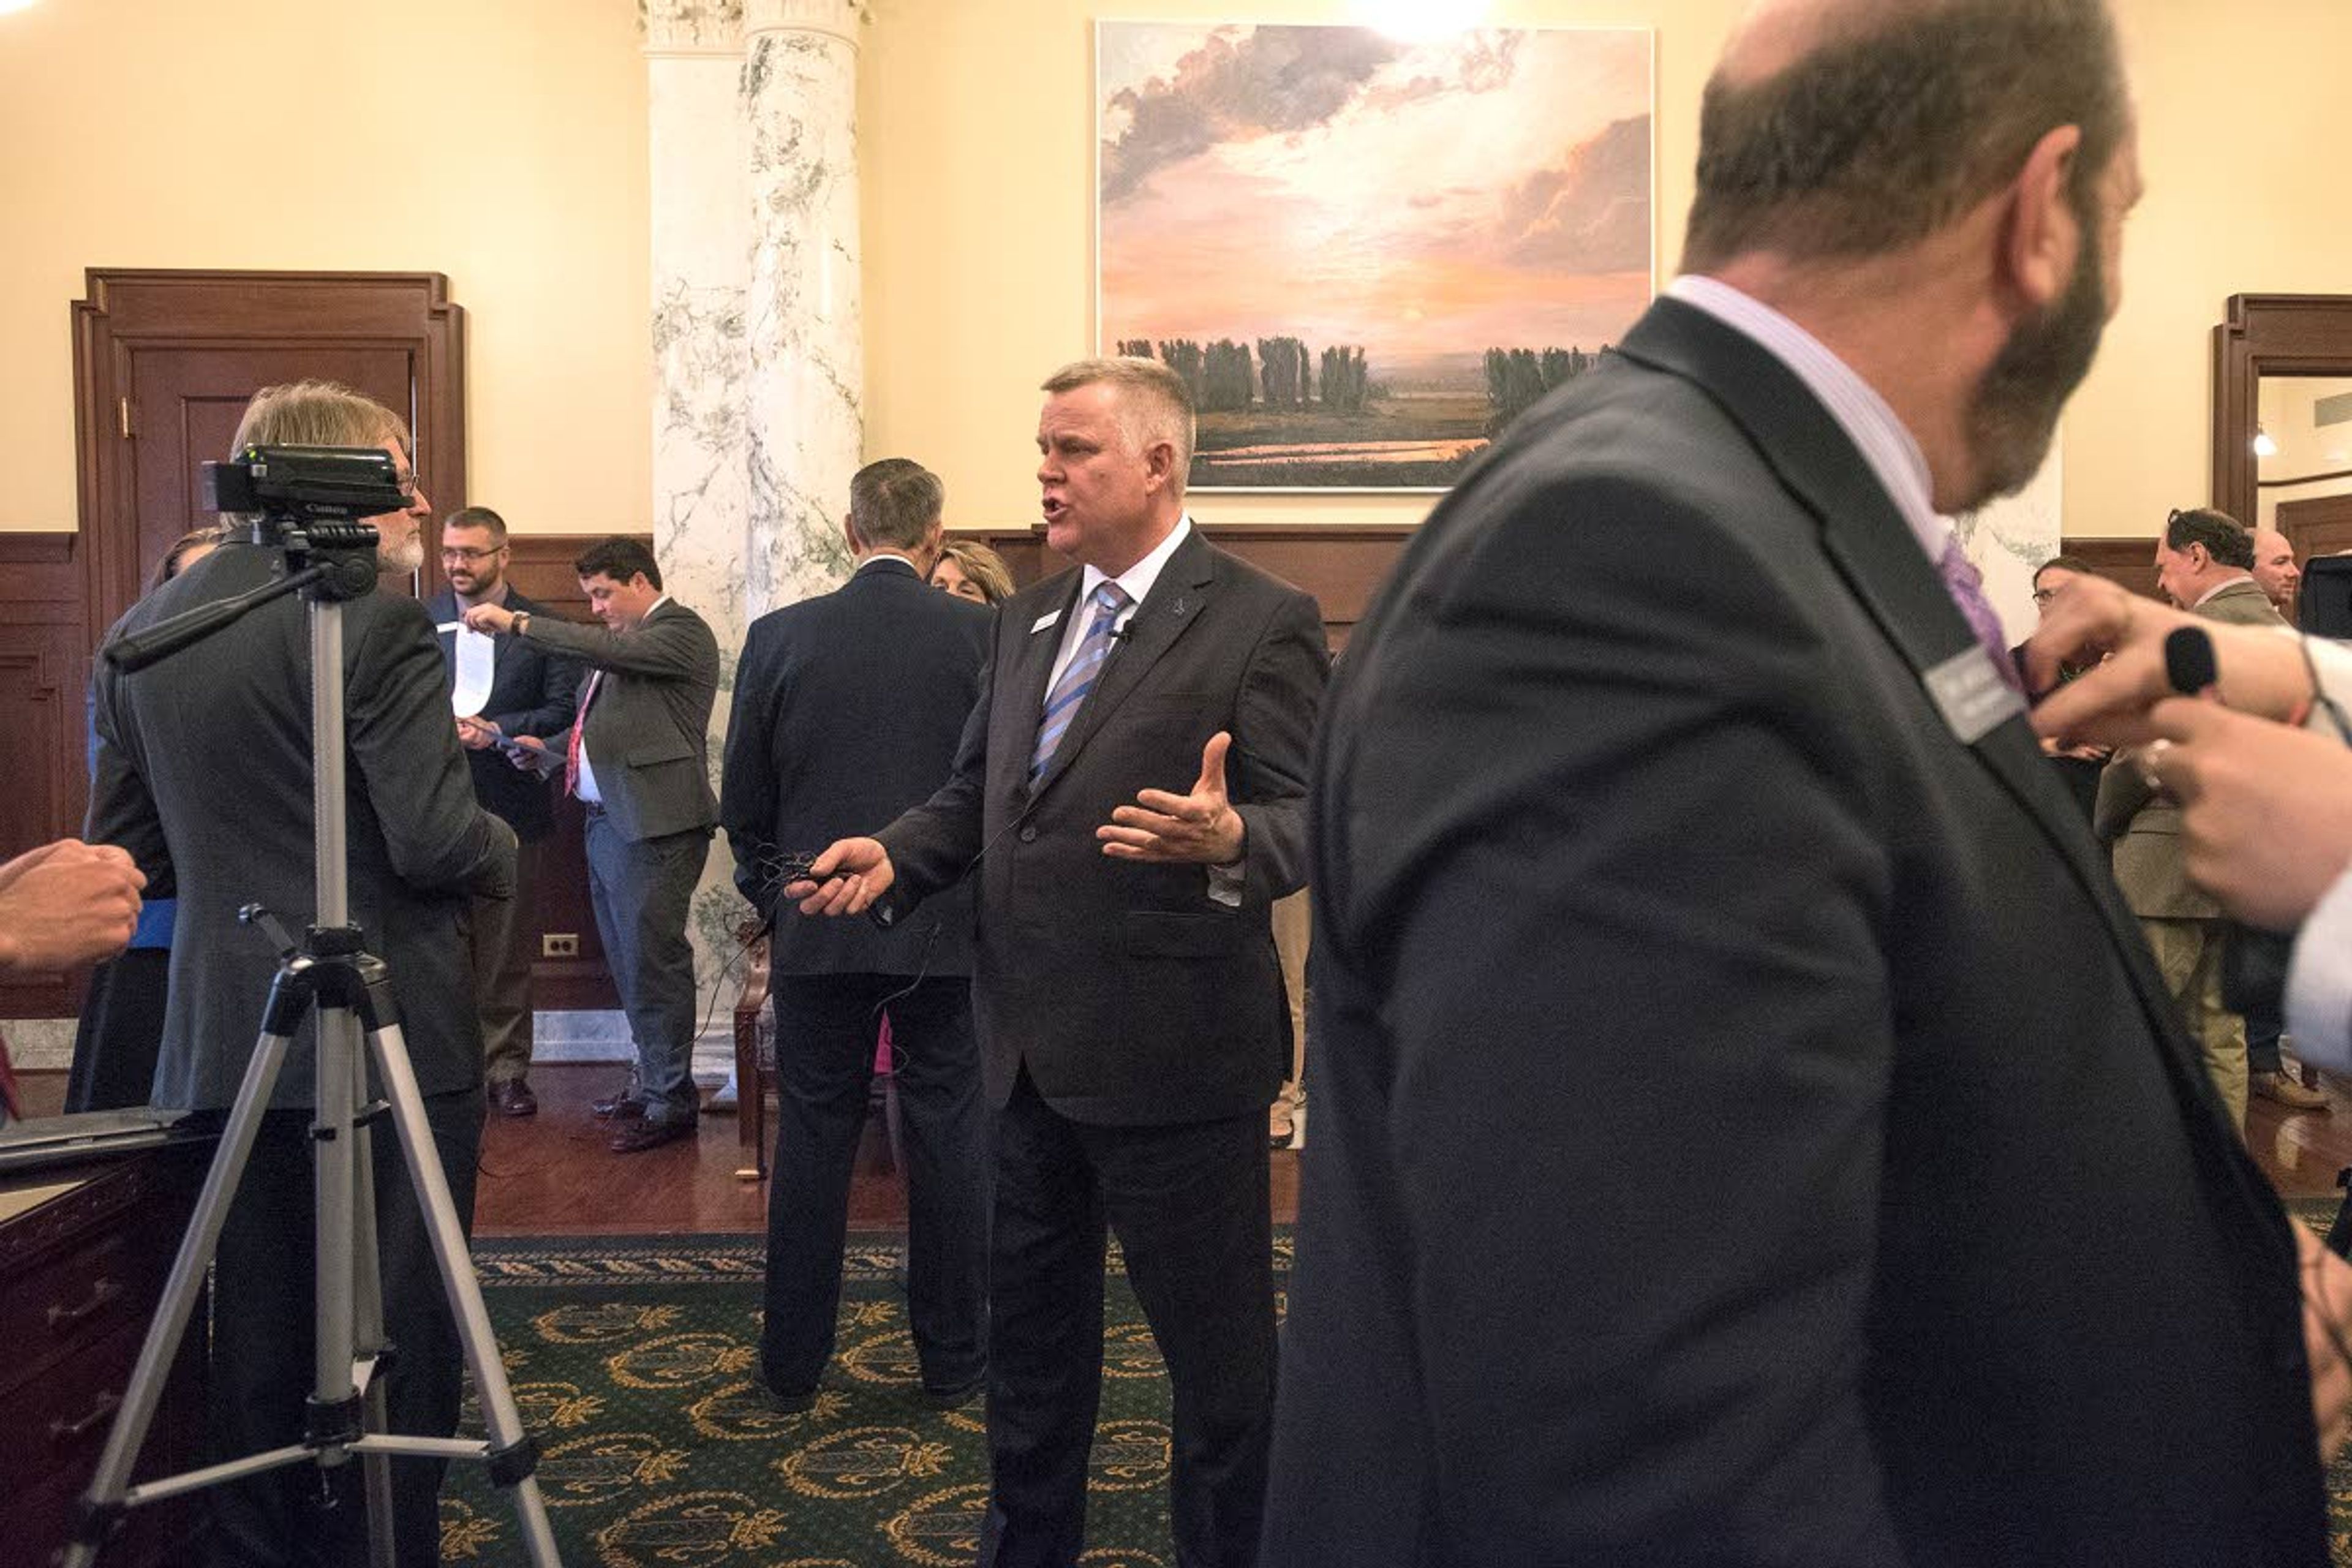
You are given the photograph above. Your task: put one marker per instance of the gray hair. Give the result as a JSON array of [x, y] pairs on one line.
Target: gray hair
[[1154, 406], [894, 503]]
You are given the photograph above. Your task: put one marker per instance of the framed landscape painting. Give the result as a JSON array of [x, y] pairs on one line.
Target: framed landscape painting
[[1368, 254]]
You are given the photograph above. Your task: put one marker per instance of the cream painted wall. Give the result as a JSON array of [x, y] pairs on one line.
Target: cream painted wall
[[529, 117], [501, 141]]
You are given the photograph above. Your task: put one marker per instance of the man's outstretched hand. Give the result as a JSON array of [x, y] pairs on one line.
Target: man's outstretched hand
[[1201, 827], [845, 880]]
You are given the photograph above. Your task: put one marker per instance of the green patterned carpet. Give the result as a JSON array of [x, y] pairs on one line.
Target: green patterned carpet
[[635, 1362]]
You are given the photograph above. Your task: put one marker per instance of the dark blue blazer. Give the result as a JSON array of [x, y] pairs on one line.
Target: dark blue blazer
[[531, 694], [847, 708]]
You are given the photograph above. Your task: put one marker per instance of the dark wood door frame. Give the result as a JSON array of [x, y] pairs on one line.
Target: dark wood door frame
[[2267, 335], [127, 308]]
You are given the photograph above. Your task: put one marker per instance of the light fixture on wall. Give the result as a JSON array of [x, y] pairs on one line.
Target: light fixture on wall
[[8, 6], [2263, 445]]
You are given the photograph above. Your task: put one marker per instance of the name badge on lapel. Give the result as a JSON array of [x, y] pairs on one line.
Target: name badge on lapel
[[1050, 617], [1968, 691]]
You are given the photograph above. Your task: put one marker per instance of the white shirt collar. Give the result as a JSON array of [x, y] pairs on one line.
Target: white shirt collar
[[1890, 450], [874, 555], [1138, 579]]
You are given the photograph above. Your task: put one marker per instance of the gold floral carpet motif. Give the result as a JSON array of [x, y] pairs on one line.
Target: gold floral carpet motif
[[635, 1362]]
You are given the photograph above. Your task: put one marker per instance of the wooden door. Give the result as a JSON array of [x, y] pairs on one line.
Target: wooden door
[[164, 361], [184, 407]]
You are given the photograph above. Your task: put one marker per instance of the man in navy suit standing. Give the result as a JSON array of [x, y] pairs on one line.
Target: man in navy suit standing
[[847, 712], [1682, 747], [503, 689]]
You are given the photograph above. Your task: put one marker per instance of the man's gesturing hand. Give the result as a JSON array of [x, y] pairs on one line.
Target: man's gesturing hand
[[845, 880], [1201, 827], [2327, 1319]]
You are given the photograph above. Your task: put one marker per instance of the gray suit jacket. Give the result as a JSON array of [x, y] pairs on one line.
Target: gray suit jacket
[[647, 731], [2146, 829], [1133, 999], [204, 774]]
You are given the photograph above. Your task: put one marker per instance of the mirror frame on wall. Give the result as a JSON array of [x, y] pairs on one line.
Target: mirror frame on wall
[[2267, 335]]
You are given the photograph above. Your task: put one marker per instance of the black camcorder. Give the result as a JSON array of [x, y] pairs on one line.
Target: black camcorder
[[306, 486]]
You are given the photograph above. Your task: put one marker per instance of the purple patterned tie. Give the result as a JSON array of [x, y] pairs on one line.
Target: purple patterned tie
[[1966, 586]]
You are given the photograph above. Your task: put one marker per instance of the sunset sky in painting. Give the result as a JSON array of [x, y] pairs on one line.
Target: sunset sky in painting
[[1425, 200]]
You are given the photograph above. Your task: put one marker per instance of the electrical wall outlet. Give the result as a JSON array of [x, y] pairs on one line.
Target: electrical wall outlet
[[560, 945]]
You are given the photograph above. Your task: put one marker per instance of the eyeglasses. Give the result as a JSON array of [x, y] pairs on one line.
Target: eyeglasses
[[453, 553], [2043, 595]]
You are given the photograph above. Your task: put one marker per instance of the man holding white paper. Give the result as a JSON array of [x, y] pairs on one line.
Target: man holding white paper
[[502, 689]]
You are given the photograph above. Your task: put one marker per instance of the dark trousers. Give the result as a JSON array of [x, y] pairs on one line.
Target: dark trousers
[[263, 1336], [825, 1030], [643, 890], [1190, 1206], [2264, 1024], [121, 1033], [503, 941]]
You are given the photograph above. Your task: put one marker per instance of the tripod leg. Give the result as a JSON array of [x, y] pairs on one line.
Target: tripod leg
[[368, 1338], [102, 1500], [511, 1456]]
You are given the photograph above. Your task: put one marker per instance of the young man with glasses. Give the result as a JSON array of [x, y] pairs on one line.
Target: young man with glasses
[[502, 688]]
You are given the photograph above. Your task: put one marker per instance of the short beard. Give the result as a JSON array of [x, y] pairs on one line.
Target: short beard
[[2014, 415], [402, 560]]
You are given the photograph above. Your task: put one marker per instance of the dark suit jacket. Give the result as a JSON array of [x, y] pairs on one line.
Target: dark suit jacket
[[2150, 866], [1701, 1170], [204, 774], [648, 733], [846, 710], [531, 694], [1132, 998]]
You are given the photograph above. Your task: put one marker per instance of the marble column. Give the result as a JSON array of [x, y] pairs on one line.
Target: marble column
[[2009, 538], [757, 342], [802, 312]]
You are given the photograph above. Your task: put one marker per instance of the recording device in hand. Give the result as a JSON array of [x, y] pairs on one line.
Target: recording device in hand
[[2254, 962]]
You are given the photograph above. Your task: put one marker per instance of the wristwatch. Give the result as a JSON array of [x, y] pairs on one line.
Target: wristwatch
[[521, 625]]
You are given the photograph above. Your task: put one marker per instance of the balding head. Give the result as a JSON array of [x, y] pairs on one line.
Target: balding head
[[1850, 128], [2276, 570]]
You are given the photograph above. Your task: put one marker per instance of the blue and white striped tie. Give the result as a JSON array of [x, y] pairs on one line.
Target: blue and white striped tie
[[1069, 693]]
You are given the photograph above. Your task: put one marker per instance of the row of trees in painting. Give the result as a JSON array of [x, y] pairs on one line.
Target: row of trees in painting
[[1277, 412], [1285, 374]]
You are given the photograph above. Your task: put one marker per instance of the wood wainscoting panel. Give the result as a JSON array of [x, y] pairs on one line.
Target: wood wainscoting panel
[[2129, 562], [1340, 566], [44, 769]]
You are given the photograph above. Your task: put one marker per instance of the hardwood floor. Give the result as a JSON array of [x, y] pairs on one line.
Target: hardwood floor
[[551, 1174]]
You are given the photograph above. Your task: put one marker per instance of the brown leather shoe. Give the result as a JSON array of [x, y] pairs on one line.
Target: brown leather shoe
[[637, 1135], [2287, 1091], [616, 1105], [512, 1097]]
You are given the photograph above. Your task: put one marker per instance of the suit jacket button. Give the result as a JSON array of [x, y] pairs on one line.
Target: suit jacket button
[[1029, 833]]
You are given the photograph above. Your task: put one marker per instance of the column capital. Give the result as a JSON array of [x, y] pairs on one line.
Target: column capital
[[692, 26], [836, 18]]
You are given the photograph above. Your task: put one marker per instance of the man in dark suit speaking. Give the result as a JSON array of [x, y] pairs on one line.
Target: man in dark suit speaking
[[1710, 975], [502, 689], [847, 712], [638, 756], [1131, 1008], [204, 774]]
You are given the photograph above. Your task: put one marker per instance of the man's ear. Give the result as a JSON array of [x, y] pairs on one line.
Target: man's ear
[[2043, 240], [1158, 465], [849, 533]]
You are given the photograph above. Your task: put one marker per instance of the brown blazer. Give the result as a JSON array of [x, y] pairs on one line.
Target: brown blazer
[[2145, 828]]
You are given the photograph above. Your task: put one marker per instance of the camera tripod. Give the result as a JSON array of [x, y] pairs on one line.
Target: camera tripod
[[331, 972]]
